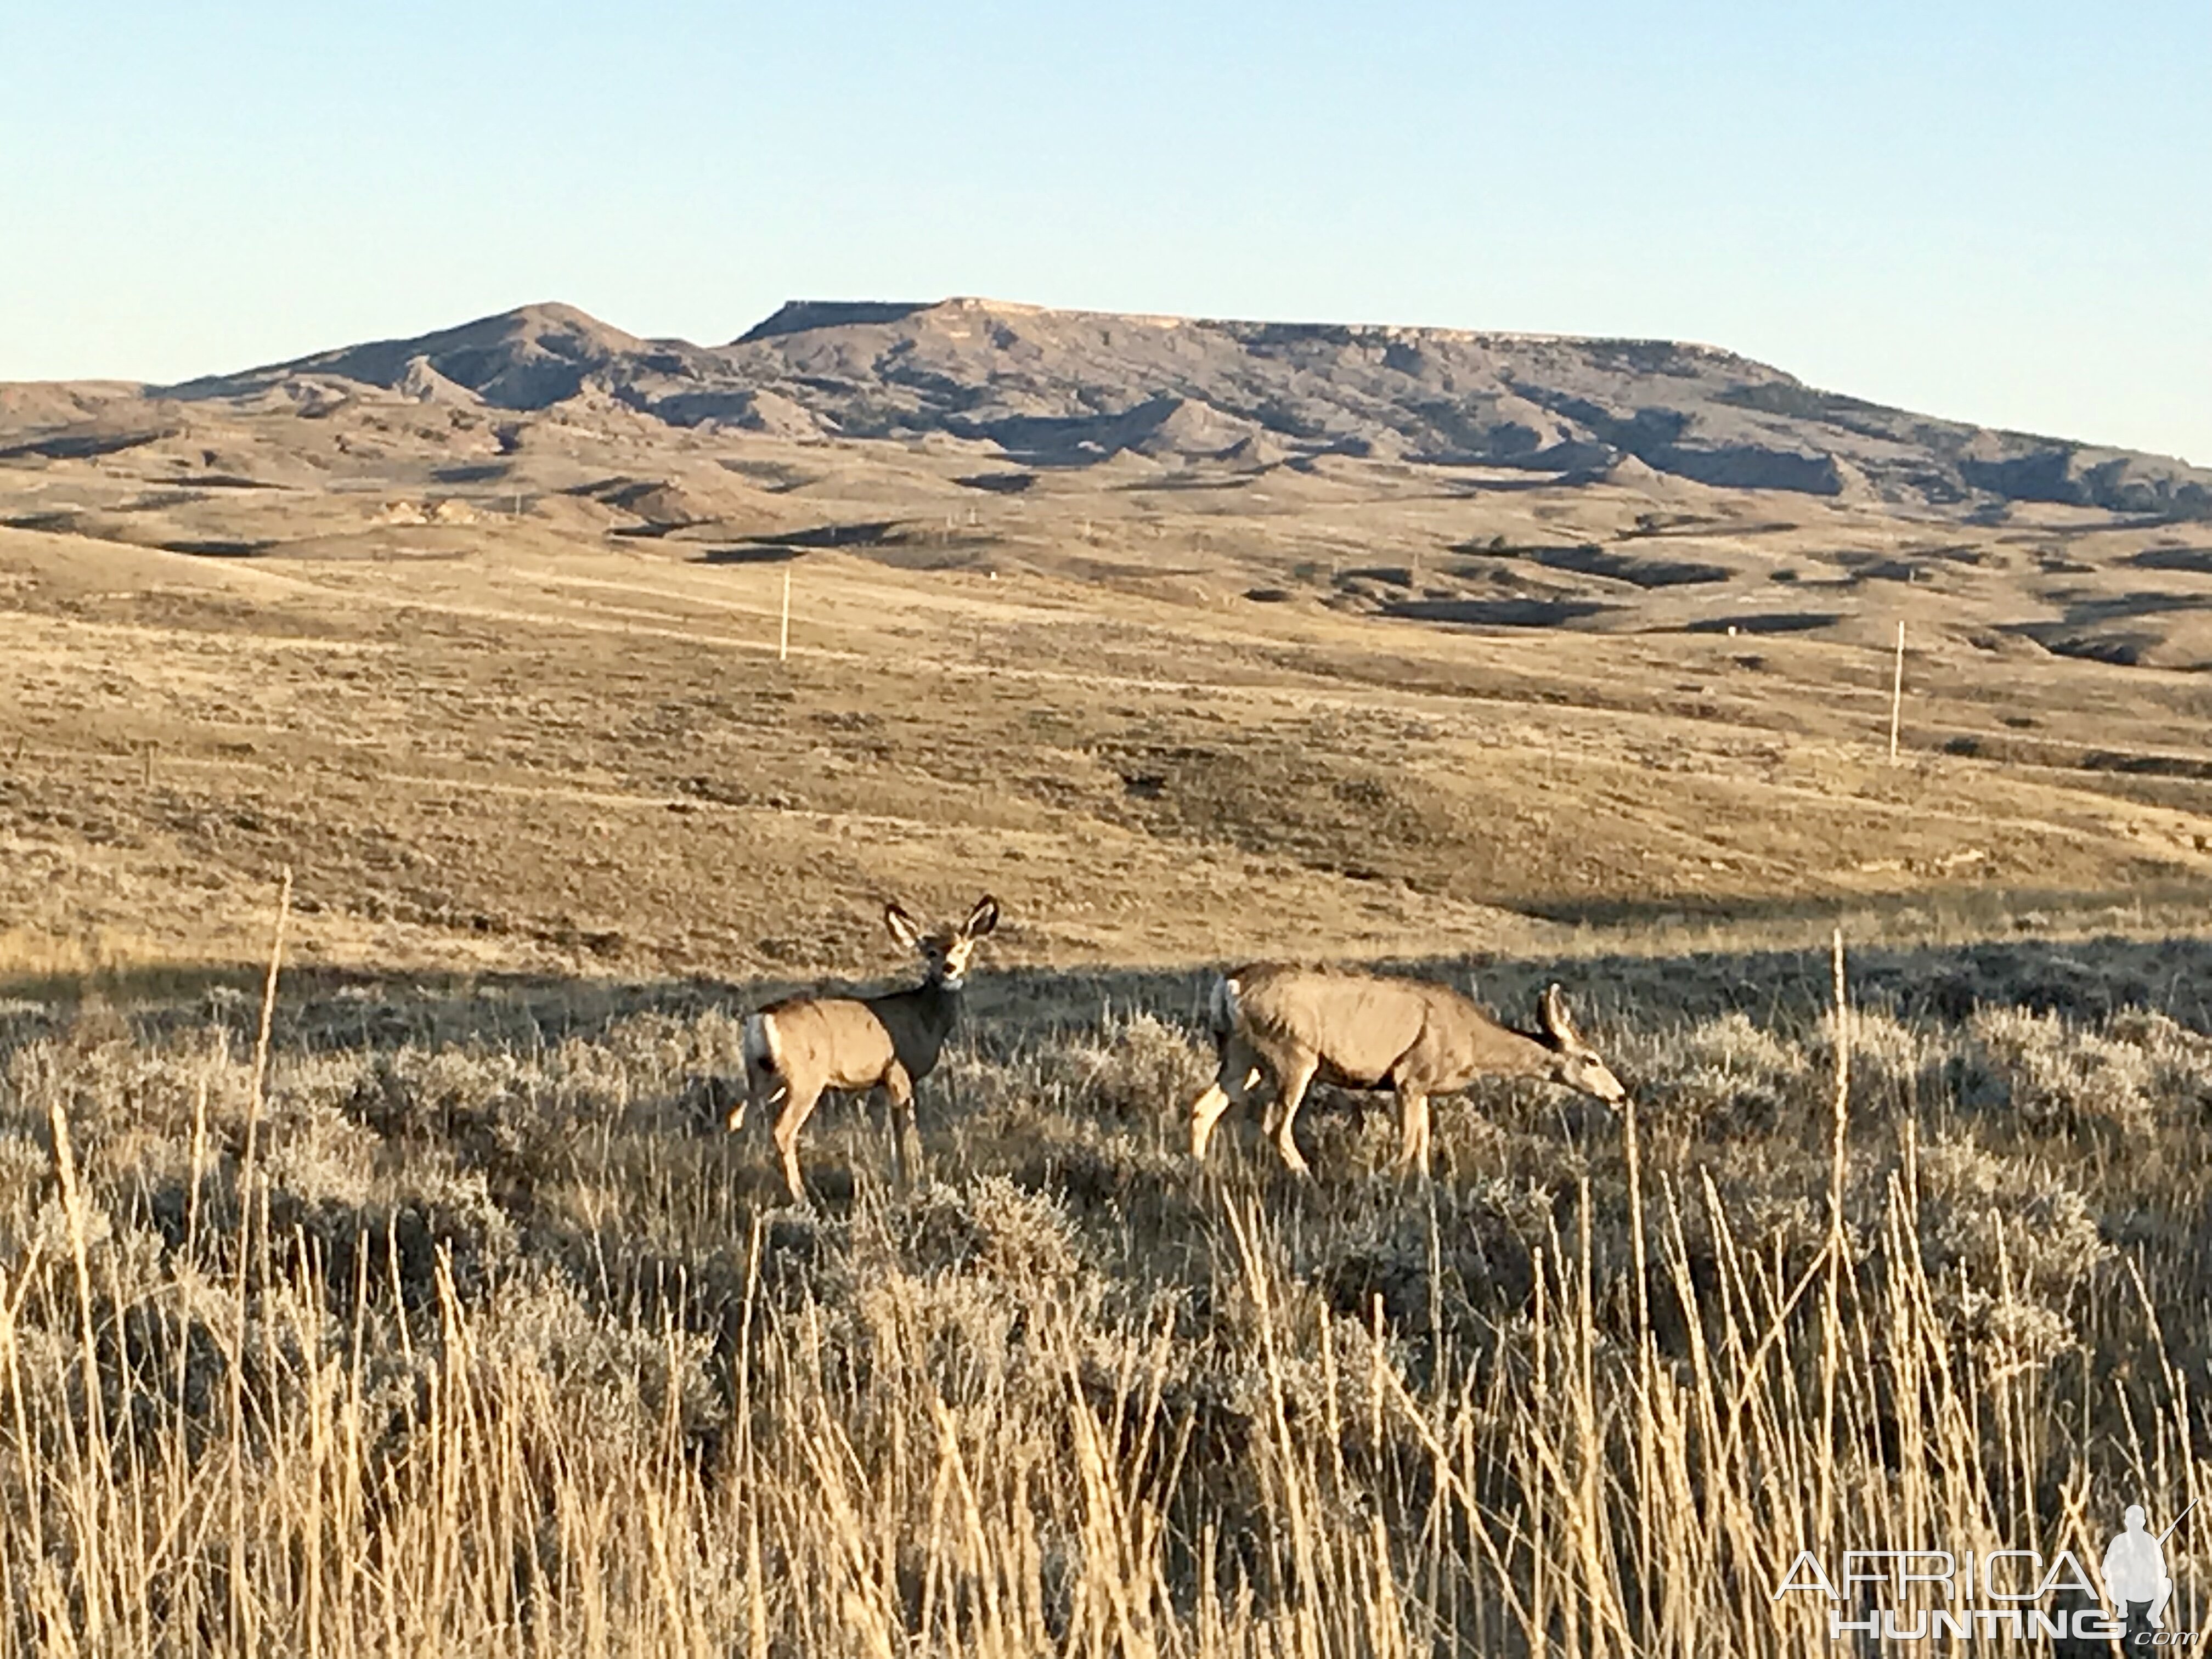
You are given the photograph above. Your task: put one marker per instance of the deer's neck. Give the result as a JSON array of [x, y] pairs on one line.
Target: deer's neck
[[1520, 1053], [929, 1010]]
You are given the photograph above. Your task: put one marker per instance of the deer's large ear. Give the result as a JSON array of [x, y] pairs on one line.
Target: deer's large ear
[[983, 918], [902, 926], [1552, 1015]]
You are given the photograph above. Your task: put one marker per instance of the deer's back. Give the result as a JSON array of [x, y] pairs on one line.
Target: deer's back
[[1356, 1025], [841, 1040], [1366, 1028]]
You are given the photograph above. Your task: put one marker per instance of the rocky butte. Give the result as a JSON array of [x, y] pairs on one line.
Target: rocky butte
[[1071, 388]]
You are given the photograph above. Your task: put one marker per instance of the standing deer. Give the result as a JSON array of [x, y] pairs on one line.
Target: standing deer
[[1362, 1032], [796, 1048]]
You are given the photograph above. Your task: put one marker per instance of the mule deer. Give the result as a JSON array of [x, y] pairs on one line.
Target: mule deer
[[797, 1049], [1362, 1032]]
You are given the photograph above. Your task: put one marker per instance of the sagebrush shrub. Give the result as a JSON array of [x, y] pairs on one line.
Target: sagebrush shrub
[[2055, 1076], [1722, 1076], [502, 1347]]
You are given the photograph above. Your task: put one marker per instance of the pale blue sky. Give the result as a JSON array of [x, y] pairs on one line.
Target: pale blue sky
[[2000, 212]]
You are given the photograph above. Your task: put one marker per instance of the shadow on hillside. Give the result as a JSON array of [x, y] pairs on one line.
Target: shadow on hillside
[[1767, 622], [321, 1009], [1948, 915], [1497, 613]]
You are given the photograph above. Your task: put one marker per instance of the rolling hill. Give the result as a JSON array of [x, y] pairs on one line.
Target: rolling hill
[[1069, 388]]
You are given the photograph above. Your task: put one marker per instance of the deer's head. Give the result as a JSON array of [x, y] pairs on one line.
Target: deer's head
[[1574, 1062], [946, 951]]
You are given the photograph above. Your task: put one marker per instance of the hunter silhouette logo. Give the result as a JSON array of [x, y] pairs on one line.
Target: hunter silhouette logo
[[2136, 1578], [2000, 1593]]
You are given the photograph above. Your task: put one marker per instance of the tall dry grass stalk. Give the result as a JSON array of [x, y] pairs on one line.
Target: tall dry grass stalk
[[321, 1352]]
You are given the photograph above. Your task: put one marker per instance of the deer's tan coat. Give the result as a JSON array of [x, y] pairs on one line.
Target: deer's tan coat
[[798, 1049], [1365, 1032]]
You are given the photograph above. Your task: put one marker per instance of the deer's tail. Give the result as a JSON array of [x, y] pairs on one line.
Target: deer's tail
[[762, 1051]]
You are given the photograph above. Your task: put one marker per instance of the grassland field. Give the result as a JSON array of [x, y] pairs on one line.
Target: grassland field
[[441, 1317]]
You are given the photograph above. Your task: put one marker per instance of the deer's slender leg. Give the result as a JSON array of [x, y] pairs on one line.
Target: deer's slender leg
[[796, 1105], [905, 1133], [763, 1088], [1295, 1077], [1232, 1084], [1205, 1112], [1413, 1117]]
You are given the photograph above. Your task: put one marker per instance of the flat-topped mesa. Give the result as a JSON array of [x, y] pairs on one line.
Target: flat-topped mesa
[[1071, 388], [808, 316], [800, 316]]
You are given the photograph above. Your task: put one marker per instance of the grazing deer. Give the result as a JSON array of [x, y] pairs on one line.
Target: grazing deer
[[796, 1048], [1362, 1032]]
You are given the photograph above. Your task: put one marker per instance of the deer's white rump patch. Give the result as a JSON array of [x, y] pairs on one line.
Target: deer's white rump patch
[[761, 1051], [1222, 1007]]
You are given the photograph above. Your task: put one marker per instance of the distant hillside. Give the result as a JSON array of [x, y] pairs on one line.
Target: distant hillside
[[1066, 388]]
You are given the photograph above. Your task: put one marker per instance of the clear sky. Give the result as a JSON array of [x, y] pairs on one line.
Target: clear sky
[[2000, 212]]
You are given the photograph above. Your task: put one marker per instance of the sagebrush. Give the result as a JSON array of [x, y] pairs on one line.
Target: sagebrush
[[464, 1330]]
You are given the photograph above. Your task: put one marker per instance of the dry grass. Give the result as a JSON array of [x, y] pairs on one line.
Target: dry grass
[[461, 1332]]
